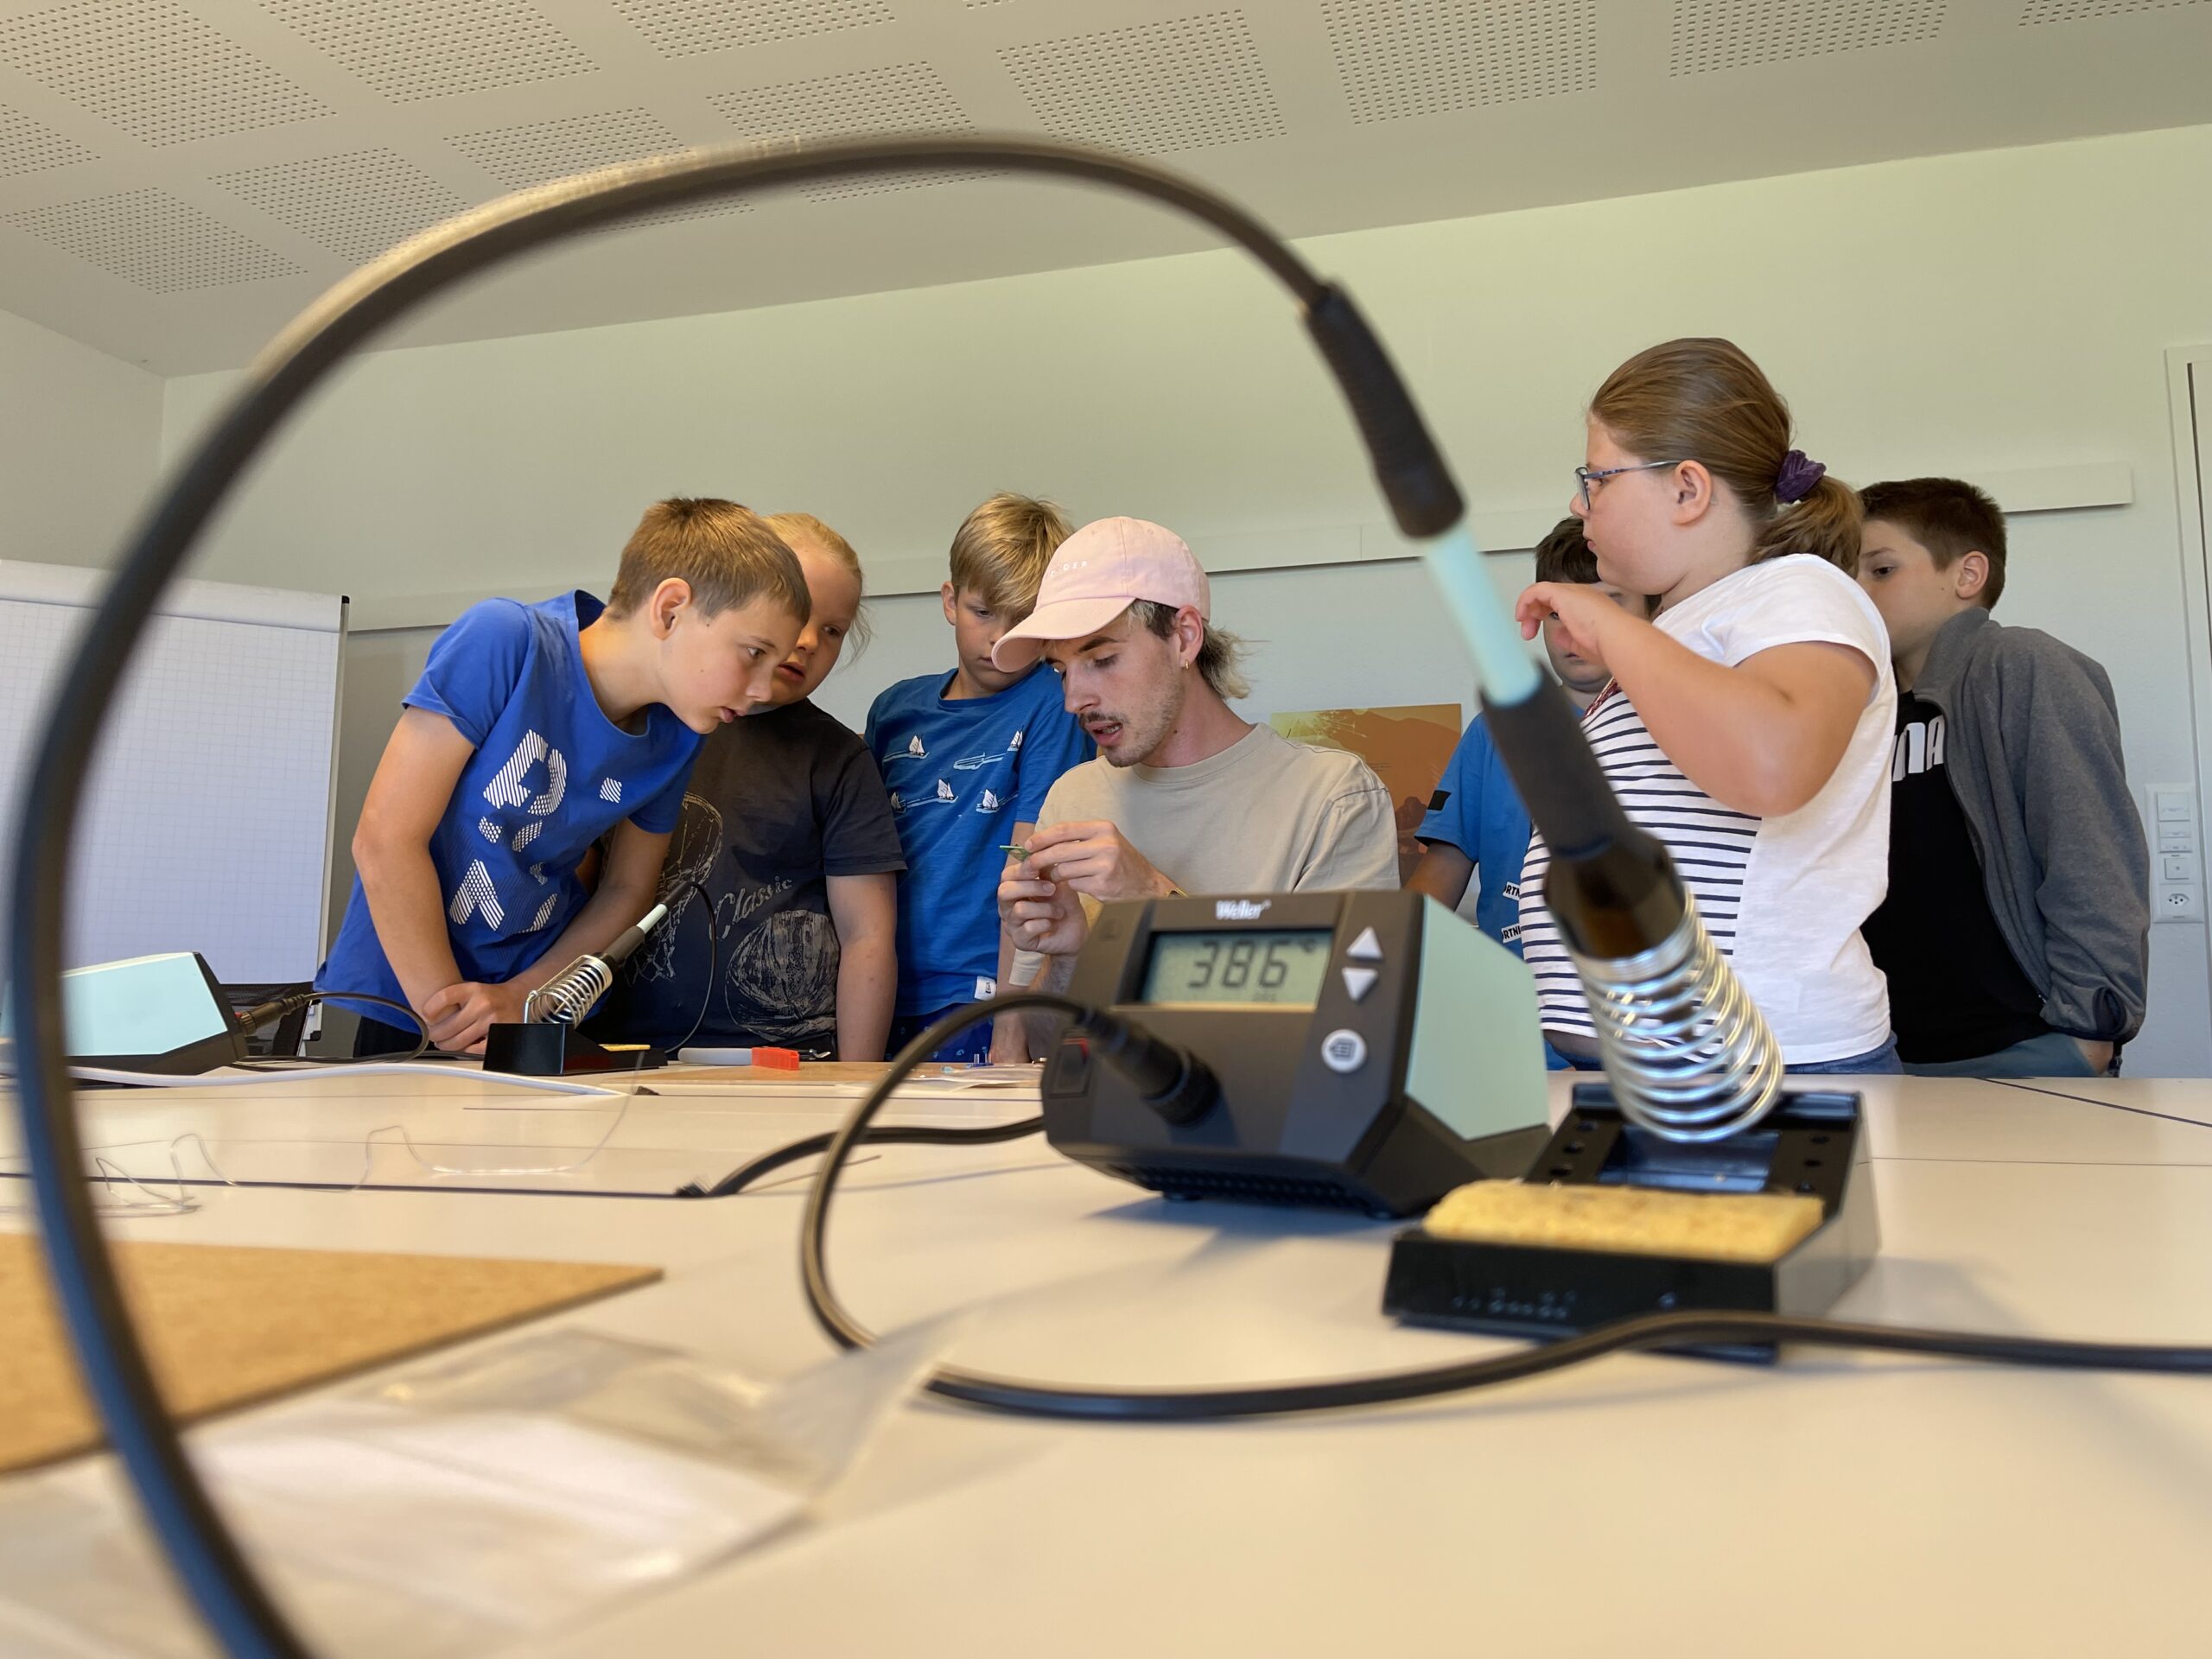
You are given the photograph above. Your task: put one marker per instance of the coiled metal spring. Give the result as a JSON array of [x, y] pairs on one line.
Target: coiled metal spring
[[1685, 1048], [570, 994]]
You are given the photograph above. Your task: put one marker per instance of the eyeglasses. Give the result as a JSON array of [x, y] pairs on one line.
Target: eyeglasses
[[1585, 476]]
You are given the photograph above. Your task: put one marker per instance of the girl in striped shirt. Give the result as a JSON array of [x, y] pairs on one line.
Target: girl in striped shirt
[[1748, 723]]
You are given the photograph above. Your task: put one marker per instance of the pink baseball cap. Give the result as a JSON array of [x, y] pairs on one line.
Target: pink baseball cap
[[1098, 573]]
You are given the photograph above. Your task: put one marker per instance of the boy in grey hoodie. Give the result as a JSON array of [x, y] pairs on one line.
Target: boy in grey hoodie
[[2016, 932]]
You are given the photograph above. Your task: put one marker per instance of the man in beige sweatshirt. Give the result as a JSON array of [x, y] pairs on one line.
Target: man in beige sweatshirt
[[1186, 795]]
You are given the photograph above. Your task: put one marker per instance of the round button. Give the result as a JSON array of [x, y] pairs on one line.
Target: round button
[[1344, 1051]]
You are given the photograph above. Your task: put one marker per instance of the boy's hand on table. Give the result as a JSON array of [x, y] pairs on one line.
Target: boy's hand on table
[[460, 1016]]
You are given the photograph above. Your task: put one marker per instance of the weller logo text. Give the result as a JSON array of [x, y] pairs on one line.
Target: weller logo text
[[1240, 910]]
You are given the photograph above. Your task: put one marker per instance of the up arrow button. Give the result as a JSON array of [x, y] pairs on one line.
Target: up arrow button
[[1365, 948]]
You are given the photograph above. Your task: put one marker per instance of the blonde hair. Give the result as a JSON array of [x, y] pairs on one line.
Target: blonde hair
[[1704, 400], [727, 553], [1001, 548], [795, 527]]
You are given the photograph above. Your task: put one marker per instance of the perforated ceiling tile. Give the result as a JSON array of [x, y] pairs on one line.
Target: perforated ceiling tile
[[1401, 58], [2073, 11], [414, 50], [544, 151], [357, 204], [1736, 34], [153, 69], [1176, 85], [28, 146], [683, 28], [903, 98], [151, 238], [520, 156]]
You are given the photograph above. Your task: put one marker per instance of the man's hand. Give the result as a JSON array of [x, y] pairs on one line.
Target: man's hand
[[2099, 1055], [1041, 916], [1094, 859], [460, 1016]]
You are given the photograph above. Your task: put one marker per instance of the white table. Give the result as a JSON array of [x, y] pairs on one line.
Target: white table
[[1833, 1505]]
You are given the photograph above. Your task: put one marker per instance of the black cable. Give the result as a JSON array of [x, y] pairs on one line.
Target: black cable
[[769, 1162], [1690, 1328], [212, 1573], [706, 1001], [253, 1018]]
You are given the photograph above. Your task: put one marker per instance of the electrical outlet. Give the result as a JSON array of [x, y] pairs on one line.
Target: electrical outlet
[[2177, 903]]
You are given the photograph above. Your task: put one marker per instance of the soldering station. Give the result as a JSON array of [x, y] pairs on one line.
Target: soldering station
[[1360, 1052]]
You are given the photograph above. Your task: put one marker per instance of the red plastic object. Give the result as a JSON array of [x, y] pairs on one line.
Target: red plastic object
[[781, 1059]]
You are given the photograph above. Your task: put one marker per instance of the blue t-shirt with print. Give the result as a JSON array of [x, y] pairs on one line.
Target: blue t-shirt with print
[[551, 775], [961, 773], [1476, 810]]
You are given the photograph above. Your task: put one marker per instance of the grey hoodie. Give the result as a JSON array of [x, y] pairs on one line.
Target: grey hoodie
[[2033, 742]]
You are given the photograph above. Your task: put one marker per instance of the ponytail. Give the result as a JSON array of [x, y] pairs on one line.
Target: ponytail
[[1825, 524]]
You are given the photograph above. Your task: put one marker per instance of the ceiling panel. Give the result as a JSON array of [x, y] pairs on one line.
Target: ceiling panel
[[900, 98], [1182, 83], [180, 177], [153, 69], [2068, 11], [356, 204], [1711, 35], [1396, 58], [152, 240], [28, 146], [408, 50], [682, 29]]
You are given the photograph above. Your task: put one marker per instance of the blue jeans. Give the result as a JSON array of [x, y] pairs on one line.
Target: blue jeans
[[971, 1047], [1875, 1061], [2054, 1054]]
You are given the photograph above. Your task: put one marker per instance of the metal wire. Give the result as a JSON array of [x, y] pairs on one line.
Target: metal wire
[[569, 994], [1688, 1053]]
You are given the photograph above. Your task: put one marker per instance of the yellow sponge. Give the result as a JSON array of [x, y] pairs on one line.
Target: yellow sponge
[[1643, 1221]]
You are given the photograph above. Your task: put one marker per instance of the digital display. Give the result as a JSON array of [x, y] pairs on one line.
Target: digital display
[[1283, 969]]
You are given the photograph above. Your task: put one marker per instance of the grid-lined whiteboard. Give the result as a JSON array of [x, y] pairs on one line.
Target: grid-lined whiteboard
[[207, 824]]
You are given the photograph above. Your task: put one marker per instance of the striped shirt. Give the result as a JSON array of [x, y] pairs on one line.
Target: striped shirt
[[1783, 897]]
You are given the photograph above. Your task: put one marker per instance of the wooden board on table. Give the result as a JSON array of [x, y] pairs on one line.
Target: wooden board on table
[[226, 1325]]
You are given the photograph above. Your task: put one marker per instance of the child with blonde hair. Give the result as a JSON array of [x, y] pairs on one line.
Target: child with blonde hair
[[968, 757]]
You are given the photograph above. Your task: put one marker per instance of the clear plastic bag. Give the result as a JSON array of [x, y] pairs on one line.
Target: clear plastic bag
[[462, 1503]]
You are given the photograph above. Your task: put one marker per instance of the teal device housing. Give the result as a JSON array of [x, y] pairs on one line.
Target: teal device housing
[[1411, 1063], [148, 1014]]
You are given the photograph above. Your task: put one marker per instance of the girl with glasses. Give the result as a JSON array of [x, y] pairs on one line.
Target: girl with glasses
[[1748, 723]]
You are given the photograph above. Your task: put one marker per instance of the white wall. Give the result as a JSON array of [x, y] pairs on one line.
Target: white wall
[[80, 433], [1974, 315]]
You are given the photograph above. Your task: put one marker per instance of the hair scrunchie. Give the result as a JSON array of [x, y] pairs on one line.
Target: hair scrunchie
[[1798, 475]]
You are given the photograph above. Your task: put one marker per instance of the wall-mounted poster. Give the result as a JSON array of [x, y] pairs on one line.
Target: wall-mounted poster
[[1406, 745]]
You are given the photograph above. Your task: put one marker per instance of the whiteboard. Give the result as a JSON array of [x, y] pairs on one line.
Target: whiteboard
[[208, 823]]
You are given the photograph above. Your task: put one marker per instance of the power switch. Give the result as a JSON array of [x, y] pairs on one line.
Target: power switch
[[1070, 1070]]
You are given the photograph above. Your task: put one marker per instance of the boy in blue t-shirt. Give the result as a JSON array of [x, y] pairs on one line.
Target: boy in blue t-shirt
[[534, 730], [1476, 824], [968, 757]]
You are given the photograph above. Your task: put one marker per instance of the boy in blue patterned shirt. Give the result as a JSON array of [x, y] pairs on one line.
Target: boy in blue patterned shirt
[[534, 730], [968, 757]]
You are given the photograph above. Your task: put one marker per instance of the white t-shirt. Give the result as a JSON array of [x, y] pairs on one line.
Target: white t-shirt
[[1783, 897]]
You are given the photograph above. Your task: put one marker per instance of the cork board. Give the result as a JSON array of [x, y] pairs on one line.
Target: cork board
[[226, 1325]]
